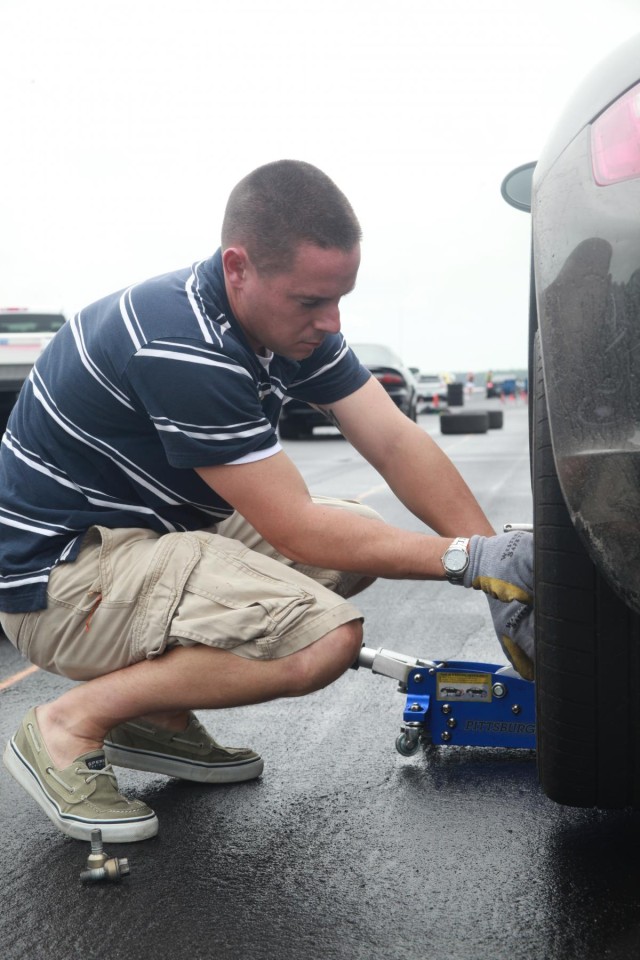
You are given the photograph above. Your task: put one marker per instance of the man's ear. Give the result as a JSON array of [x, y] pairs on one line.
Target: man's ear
[[235, 261]]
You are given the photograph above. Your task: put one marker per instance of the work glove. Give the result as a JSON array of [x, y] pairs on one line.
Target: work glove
[[502, 567]]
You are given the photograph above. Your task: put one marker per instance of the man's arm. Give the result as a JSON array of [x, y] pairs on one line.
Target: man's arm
[[272, 495], [414, 466]]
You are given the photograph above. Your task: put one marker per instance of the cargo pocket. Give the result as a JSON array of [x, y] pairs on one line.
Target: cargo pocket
[[176, 556], [142, 575], [236, 596]]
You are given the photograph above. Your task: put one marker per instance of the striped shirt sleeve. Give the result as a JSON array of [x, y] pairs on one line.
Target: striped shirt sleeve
[[204, 404]]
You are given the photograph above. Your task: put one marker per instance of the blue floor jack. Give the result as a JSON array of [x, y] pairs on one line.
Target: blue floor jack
[[458, 703]]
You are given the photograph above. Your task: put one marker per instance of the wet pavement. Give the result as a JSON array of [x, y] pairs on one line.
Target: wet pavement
[[343, 848]]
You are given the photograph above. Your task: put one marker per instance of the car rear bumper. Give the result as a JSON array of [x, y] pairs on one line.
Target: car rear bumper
[[298, 412], [401, 398]]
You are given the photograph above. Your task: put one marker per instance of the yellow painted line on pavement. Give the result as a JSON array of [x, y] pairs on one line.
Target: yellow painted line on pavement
[[17, 677]]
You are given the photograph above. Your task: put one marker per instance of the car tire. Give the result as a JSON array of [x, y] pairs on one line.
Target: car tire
[[587, 653], [464, 422]]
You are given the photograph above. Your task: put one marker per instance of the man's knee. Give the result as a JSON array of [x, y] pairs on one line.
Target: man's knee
[[323, 661]]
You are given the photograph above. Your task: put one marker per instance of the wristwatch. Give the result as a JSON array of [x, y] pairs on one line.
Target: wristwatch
[[456, 559]]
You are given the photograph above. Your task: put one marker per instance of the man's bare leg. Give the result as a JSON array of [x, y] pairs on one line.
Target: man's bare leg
[[188, 678]]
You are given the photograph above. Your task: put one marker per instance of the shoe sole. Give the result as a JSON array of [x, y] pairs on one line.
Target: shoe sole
[[79, 828], [236, 771]]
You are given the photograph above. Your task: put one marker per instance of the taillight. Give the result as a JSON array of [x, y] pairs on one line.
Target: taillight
[[615, 141], [389, 378]]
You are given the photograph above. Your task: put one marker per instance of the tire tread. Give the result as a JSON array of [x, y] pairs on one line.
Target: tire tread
[[587, 654]]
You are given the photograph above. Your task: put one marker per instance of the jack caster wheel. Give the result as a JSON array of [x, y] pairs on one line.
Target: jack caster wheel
[[407, 746]]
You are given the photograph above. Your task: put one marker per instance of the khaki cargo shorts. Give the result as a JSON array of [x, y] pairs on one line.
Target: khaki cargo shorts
[[131, 594]]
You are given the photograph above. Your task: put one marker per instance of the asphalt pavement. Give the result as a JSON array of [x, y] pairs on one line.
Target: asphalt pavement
[[343, 848]]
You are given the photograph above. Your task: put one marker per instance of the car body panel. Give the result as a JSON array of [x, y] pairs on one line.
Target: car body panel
[[587, 277], [608, 81]]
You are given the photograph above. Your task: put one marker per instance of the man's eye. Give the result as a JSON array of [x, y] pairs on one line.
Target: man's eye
[[310, 303]]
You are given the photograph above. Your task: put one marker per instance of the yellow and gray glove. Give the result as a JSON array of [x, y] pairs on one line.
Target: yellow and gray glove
[[502, 567]]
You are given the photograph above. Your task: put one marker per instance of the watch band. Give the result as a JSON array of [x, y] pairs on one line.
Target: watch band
[[459, 545]]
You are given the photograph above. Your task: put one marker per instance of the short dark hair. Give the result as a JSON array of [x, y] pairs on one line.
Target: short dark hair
[[283, 204]]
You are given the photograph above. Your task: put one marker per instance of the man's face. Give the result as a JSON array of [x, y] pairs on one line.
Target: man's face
[[291, 313]]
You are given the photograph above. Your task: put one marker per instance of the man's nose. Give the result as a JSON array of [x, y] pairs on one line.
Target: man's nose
[[329, 319]]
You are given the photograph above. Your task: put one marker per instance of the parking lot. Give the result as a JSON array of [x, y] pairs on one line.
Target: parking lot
[[343, 848]]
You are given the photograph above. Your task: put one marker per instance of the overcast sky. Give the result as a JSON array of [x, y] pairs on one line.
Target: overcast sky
[[126, 123]]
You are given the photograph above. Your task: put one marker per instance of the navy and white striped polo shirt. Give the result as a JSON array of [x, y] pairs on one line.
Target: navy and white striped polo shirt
[[128, 397]]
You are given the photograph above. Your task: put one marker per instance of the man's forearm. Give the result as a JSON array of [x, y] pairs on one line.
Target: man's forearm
[[411, 462], [429, 485], [326, 536]]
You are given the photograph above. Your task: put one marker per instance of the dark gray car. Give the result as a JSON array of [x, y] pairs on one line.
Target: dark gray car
[[584, 196]]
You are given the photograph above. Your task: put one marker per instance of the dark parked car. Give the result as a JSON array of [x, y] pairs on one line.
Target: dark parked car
[[298, 419], [584, 197], [397, 379]]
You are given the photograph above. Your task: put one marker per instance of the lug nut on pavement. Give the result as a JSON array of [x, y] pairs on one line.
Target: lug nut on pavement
[[100, 866]]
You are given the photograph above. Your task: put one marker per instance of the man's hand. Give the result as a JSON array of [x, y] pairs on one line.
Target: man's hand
[[502, 567], [513, 623]]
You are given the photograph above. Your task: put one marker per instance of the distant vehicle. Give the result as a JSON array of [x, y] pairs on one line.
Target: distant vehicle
[[389, 370], [298, 419], [503, 385], [24, 333], [584, 370], [431, 388]]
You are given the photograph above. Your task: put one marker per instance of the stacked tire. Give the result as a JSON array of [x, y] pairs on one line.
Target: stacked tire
[[455, 395], [477, 422]]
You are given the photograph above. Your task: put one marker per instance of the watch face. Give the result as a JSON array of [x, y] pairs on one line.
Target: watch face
[[457, 560]]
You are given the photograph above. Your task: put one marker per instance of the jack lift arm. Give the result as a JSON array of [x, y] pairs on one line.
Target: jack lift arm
[[457, 702]]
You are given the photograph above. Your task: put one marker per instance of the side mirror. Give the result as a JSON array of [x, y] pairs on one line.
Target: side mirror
[[516, 186]]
